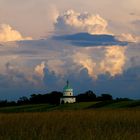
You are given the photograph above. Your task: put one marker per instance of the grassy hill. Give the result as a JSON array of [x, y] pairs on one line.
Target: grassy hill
[[117, 104], [76, 106], [46, 107]]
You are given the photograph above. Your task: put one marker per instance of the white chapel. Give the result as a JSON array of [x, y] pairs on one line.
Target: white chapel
[[68, 96]]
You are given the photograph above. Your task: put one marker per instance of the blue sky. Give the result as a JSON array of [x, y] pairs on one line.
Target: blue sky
[[96, 45]]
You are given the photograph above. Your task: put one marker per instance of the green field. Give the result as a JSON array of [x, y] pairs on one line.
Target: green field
[[75, 106], [79, 121], [46, 107]]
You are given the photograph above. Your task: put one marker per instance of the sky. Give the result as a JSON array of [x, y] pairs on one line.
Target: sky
[[95, 44]]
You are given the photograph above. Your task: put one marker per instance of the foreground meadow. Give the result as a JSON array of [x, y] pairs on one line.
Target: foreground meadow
[[71, 125]]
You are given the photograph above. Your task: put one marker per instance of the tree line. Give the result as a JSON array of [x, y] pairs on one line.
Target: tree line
[[54, 98]]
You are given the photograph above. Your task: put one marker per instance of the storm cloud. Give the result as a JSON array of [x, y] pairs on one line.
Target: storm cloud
[[84, 51]]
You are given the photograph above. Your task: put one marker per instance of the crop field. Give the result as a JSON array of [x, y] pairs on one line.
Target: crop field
[[119, 124]]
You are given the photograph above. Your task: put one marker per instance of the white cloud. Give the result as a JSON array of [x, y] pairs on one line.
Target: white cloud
[[39, 70], [73, 22], [7, 33], [86, 62], [114, 60]]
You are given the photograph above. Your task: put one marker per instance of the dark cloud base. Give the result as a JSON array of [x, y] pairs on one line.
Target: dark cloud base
[[85, 39], [127, 84]]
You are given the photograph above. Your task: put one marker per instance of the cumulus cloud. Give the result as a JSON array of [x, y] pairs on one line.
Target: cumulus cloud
[[39, 70], [114, 60], [86, 62], [73, 22], [16, 76], [56, 66], [41, 61], [7, 33], [78, 56]]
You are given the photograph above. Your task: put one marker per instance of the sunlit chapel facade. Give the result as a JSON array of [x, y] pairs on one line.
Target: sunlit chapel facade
[[68, 96]]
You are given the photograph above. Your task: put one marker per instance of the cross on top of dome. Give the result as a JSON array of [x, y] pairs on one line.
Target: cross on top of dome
[[67, 87], [67, 83]]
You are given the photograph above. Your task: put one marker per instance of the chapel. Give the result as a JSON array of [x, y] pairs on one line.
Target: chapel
[[68, 96]]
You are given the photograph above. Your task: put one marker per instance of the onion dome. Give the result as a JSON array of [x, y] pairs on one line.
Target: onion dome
[[67, 88]]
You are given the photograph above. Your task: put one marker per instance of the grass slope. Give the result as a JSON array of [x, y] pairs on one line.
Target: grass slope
[[75, 106], [46, 107], [117, 104]]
